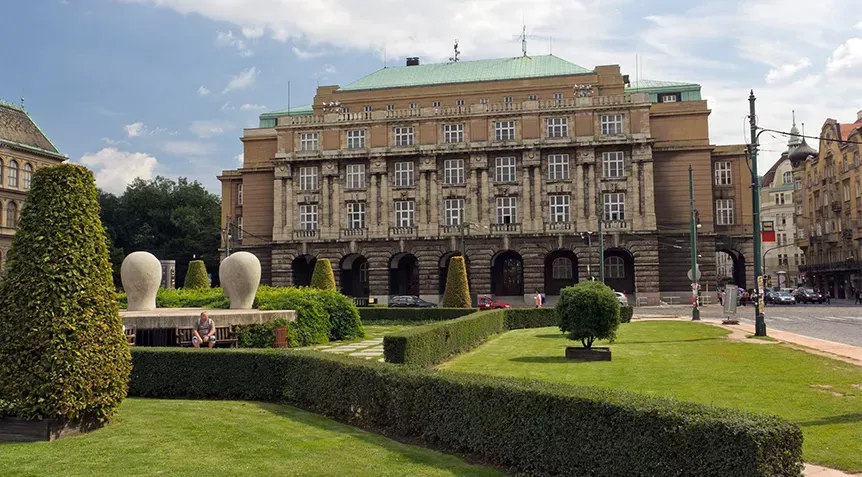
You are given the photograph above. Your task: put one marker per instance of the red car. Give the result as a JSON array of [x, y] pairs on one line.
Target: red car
[[486, 303]]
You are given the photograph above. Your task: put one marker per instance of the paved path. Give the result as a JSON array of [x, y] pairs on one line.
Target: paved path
[[368, 349]]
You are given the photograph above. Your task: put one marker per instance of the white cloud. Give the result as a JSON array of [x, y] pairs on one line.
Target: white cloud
[[846, 56], [242, 80], [227, 106], [253, 32], [135, 129], [787, 70], [228, 39], [208, 128], [203, 91], [112, 142], [306, 54], [114, 169], [329, 69], [189, 148], [241, 159], [252, 107]]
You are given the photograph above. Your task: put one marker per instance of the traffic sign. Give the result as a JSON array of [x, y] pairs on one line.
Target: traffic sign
[[694, 279]]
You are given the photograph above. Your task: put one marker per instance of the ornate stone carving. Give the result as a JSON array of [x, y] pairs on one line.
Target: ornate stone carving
[[583, 90], [478, 161], [428, 163], [141, 274]]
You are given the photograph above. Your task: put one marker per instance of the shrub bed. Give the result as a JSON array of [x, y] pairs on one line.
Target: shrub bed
[[626, 313], [433, 343], [537, 428], [412, 314], [518, 318]]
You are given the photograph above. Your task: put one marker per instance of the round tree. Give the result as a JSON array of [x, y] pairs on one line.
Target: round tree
[[588, 311], [322, 277], [457, 293], [63, 354], [196, 276]]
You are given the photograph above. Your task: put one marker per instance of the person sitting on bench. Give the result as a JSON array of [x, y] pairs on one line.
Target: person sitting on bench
[[204, 331]]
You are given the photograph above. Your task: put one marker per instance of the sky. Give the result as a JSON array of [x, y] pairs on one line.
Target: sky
[[139, 88]]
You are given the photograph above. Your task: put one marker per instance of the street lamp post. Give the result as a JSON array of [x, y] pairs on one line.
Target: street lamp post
[[759, 318], [695, 311]]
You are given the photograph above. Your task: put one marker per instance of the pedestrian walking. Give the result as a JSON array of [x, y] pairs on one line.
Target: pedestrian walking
[[858, 297]]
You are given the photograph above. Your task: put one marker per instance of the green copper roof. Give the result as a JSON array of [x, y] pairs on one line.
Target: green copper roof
[[467, 72], [294, 111], [688, 91]]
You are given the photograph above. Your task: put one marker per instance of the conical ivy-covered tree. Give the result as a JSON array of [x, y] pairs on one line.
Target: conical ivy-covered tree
[[196, 276], [63, 354], [457, 293], [322, 277]]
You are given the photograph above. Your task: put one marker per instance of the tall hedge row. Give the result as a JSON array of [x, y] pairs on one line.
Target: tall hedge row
[[518, 318], [412, 314], [536, 428], [433, 343]]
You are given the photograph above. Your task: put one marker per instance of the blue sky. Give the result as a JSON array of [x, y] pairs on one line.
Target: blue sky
[[145, 87]]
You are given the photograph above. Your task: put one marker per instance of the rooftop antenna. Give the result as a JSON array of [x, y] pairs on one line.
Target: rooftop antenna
[[454, 58], [524, 41], [794, 117], [384, 56], [288, 97]]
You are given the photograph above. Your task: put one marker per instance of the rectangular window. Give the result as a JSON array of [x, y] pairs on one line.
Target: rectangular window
[[613, 164], [507, 99], [308, 217], [504, 130], [483, 101], [855, 159], [239, 194], [453, 133], [722, 174], [404, 174], [846, 191], [356, 176], [390, 107], [404, 210], [558, 97], [238, 227], [413, 105], [560, 209], [453, 171], [308, 141], [308, 178], [454, 211], [615, 206], [356, 215], [504, 169], [532, 97], [403, 136], [436, 104], [668, 98], [724, 212], [356, 139], [459, 102], [368, 109], [558, 127], [788, 177], [612, 124], [558, 167], [507, 210]]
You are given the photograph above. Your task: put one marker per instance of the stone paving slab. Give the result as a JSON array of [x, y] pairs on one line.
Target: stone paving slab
[[817, 471]]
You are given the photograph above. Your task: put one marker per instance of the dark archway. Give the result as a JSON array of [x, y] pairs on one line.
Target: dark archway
[[561, 271], [730, 268], [404, 274], [354, 276], [507, 274], [620, 270], [302, 268]]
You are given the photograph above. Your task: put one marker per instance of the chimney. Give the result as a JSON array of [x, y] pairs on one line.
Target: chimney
[[859, 116], [413, 61]]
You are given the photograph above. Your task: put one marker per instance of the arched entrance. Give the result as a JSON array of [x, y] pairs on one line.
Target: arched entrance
[[404, 274], [561, 271], [730, 268], [507, 274], [620, 270], [354, 276], [302, 268], [444, 269]]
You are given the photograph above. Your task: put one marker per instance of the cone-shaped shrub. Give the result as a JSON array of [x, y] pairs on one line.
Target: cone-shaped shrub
[[457, 294], [196, 276], [62, 350], [322, 277]]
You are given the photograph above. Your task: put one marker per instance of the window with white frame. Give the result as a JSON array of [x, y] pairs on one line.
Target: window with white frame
[[788, 177], [846, 191], [27, 176], [561, 268], [507, 99], [532, 97], [558, 97], [13, 174], [615, 267], [435, 104], [356, 215], [368, 109], [459, 102], [413, 105], [404, 174], [454, 210], [308, 217], [504, 169], [558, 127], [390, 107], [724, 212], [558, 167], [504, 130], [453, 171], [453, 133], [613, 164], [560, 210], [239, 227], [404, 210], [356, 176], [723, 174], [403, 136], [612, 124], [356, 139], [483, 101], [668, 98], [615, 206], [308, 141], [239, 194], [507, 210], [308, 178]]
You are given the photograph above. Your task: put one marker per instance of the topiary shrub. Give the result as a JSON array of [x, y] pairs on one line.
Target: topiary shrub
[[343, 315], [457, 293], [196, 276], [588, 311], [322, 278], [626, 313], [63, 354]]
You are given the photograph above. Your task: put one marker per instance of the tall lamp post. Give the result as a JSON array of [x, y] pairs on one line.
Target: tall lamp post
[[759, 318], [695, 311]]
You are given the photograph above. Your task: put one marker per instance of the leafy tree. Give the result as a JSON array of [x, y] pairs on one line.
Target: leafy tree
[[588, 311], [457, 293], [322, 277], [197, 275]]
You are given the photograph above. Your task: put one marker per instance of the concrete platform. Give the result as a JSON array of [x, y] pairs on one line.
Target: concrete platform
[[185, 317]]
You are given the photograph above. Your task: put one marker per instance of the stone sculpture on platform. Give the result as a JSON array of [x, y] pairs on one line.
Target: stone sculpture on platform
[[240, 277], [141, 274]]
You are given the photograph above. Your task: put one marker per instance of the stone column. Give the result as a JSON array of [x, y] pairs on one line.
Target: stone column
[[473, 187], [421, 219], [323, 214], [634, 186], [277, 216], [371, 220], [537, 197], [485, 203], [524, 207], [2, 214], [578, 190], [337, 206], [434, 206], [385, 205], [288, 207], [649, 220]]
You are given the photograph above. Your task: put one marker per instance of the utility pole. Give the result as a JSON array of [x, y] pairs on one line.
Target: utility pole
[[695, 311], [227, 237], [759, 319], [601, 214]]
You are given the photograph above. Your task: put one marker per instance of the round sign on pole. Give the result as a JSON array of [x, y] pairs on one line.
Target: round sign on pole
[[694, 279]]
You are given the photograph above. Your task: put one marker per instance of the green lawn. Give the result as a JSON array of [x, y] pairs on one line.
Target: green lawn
[[168, 437], [695, 362]]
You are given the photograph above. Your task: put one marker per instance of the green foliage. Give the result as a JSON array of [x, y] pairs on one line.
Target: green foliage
[[457, 294], [62, 350], [322, 278], [535, 428], [435, 342], [312, 325], [212, 298], [412, 314], [196, 277], [343, 315], [259, 335], [626, 313], [588, 311], [519, 318]]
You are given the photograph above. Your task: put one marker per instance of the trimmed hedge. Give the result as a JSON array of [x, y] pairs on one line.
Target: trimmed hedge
[[433, 343], [196, 276], [536, 428], [322, 277], [518, 318], [626, 313], [412, 314], [260, 335], [457, 293]]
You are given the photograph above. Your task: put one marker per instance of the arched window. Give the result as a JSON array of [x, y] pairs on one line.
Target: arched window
[[13, 174], [11, 215], [561, 268], [27, 176], [615, 267]]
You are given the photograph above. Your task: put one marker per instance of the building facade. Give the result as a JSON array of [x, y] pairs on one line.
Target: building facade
[[23, 149], [511, 162]]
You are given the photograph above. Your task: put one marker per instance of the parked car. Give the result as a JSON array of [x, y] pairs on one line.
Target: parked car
[[622, 298], [784, 298], [808, 295], [771, 296], [407, 301], [486, 303]]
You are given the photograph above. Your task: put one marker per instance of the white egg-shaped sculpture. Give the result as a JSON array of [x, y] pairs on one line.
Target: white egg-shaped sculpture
[[240, 276], [141, 274]]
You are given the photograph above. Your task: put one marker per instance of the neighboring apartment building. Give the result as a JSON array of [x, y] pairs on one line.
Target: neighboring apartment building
[[506, 160], [23, 149], [831, 207]]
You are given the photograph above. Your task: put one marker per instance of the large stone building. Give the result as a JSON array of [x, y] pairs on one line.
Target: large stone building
[[507, 160], [23, 149]]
